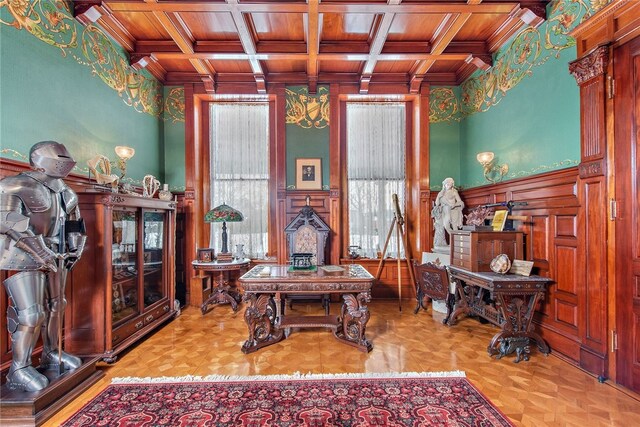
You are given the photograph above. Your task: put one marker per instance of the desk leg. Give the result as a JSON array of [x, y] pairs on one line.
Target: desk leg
[[260, 317], [354, 318], [517, 329]]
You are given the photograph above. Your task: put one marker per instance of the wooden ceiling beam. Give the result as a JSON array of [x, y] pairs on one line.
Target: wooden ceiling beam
[[376, 47], [313, 25], [148, 62], [444, 34], [439, 7], [90, 12], [180, 34], [247, 44], [302, 56], [517, 19]]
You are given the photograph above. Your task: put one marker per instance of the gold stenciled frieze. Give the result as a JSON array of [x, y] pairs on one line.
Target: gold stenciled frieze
[[52, 22], [531, 48], [307, 111]]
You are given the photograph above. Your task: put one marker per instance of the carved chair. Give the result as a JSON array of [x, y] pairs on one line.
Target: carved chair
[[308, 233], [432, 282]]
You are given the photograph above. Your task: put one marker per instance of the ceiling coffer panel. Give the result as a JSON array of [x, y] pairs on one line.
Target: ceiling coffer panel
[[312, 41]]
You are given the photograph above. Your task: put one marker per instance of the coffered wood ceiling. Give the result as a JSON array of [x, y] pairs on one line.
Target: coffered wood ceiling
[[246, 42]]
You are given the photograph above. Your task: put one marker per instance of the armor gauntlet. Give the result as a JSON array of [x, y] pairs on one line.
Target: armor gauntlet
[[75, 243], [36, 248]]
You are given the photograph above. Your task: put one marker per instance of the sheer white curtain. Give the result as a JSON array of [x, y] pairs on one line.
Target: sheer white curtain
[[376, 134], [240, 173]]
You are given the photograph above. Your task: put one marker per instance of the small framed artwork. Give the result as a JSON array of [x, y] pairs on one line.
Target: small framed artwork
[[309, 174], [205, 255]]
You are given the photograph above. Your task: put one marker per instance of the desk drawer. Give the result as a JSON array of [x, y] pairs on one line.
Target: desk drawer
[[462, 256]]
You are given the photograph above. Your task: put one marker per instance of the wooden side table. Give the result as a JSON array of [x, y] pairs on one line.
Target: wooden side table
[[222, 293], [515, 299]]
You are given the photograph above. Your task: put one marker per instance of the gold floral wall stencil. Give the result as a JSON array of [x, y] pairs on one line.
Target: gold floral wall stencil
[[531, 48], [52, 22], [174, 105], [307, 111], [444, 106]]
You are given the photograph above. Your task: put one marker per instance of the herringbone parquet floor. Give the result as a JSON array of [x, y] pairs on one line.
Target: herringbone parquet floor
[[545, 391]]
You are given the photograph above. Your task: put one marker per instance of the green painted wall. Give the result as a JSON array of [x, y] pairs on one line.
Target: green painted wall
[[444, 148], [174, 150], [46, 95], [534, 129], [304, 142]]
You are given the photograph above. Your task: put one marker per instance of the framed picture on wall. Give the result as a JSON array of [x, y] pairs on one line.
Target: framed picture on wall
[[309, 174]]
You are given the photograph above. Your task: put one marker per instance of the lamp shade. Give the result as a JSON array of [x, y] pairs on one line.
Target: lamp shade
[[125, 153], [223, 213], [485, 157]]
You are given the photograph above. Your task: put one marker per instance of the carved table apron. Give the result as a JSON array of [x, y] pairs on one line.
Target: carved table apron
[[266, 286], [515, 298]]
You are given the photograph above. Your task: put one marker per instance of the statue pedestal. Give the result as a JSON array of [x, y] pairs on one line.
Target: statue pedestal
[[20, 408]]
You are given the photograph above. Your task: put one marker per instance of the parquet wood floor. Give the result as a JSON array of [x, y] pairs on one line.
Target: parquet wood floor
[[545, 391]]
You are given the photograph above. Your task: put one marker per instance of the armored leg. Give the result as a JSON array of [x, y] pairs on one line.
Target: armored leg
[[24, 318], [56, 304]]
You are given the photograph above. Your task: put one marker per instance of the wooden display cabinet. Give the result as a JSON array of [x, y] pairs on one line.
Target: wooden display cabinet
[[123, 286], [474, 250]]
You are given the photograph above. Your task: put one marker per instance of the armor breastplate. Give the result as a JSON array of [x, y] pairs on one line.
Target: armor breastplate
[[46, 210]]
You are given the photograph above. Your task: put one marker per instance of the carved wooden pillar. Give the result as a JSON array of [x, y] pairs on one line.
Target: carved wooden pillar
[[590, 72], [335, 184]]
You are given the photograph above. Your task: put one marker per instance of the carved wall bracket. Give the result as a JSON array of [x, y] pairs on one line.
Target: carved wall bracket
[[591, 65]]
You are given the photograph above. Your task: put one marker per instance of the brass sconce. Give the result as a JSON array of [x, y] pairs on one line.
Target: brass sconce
[[124, 154], [492, 172]]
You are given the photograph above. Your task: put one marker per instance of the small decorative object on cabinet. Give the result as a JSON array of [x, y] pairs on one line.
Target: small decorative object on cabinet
[[165, 194], [123, 286], [500, 264], [150, 185]]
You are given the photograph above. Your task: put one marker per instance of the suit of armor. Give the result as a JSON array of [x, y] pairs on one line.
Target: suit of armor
[[41, 236]]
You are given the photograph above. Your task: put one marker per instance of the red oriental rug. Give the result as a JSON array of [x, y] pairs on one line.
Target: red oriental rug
[[394, 400]]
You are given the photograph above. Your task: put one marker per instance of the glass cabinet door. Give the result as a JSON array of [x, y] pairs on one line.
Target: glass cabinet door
[[124, 292], [154, 226]]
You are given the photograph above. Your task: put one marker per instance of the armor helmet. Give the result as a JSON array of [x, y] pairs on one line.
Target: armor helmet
[[52, 158]]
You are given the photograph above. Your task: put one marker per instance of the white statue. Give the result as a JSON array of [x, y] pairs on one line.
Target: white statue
[[447, 212]]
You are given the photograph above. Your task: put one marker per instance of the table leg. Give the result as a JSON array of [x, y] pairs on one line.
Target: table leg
[[517, 328], [354, 317], [260, 317], [222, 294]]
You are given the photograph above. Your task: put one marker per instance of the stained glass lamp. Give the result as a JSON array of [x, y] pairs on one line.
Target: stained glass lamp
[[223, 213]]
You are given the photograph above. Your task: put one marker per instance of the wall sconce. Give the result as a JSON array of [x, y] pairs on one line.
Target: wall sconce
[[124, 154], [492, 172]]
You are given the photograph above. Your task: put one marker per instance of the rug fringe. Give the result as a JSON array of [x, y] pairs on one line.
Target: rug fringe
[[294, 376]]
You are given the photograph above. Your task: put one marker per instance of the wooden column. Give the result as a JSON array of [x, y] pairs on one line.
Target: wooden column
[[590, 73], [336, 239]]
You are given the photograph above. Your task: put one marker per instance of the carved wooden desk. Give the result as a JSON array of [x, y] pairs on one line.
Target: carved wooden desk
[[222, 293], [266, 286], [514, 301]]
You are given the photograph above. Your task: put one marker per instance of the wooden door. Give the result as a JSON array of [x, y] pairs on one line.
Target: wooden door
[[627, 177]]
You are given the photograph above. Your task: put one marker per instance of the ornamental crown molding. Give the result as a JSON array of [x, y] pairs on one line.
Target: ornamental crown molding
[[591, 65]]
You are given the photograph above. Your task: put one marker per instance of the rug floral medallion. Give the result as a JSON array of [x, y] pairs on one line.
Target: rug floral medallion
[[418, 399]]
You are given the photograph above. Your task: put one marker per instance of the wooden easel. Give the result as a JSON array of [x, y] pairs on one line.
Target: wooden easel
[[398, 222]]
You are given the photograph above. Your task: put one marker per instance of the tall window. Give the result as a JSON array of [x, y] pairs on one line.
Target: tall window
[[376, 134], [240, 172]]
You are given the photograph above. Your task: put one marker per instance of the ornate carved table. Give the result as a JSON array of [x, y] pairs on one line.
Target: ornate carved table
[[506, 300], [223, 293], [266, 286]]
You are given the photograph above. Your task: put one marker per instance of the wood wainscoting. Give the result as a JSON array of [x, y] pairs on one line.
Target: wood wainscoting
[[554, 241]]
